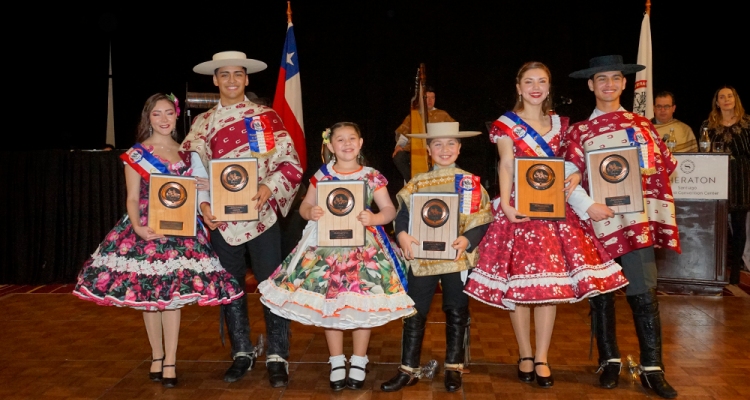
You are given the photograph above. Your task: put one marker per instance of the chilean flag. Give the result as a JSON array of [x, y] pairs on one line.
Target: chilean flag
[[287, 101]]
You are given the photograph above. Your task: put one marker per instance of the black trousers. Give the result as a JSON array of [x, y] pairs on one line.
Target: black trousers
[[736, 246], [264, 253], [422, 290], [402, 160]]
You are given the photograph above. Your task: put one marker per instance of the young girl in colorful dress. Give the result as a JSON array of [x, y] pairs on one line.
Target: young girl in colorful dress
[[343, 288], [526, 263], [138, 268]]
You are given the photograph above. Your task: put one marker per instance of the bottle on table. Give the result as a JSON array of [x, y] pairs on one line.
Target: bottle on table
[[671, 141], [704, 142]]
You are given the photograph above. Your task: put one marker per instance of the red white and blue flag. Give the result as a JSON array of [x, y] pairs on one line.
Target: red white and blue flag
[[287, 101]]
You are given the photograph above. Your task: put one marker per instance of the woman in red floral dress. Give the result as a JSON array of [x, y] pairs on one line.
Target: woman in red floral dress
[[536, 263]]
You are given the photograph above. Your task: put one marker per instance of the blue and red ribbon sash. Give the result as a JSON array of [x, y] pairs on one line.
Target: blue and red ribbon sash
[[143, 162], [524, 136], [260, 134], [469, 189]]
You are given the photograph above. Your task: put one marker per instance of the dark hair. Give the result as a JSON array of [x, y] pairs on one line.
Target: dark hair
[[665, 93], [328, 156], [428, 88], [547, 103], [216, 71], [428, 141], [144, 126]]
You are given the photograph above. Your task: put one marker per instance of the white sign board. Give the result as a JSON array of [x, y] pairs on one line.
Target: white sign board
[[700, 176]]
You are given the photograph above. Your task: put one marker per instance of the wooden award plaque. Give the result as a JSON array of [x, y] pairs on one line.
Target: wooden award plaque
[[434, 223], [342, 201], [539, 183], [234, 182], [615, 178], [172, 205]]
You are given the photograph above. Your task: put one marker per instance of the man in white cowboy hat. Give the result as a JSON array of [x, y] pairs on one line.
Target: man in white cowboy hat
[[443, 146], [237, 127], [631, 236]]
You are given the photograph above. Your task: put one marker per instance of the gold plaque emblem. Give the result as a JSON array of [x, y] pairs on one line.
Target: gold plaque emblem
[[540, 176], [340, 202], [435, 213], [614, 168], [234, 178], [172, 195]]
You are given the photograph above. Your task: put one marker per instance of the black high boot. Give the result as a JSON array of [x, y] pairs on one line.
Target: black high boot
[[277, 329], [456, 338], [238, 325], [603, 327], [411, 349], [648, 328]]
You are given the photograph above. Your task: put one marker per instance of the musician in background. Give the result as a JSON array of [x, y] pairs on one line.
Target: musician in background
[[402, 152]]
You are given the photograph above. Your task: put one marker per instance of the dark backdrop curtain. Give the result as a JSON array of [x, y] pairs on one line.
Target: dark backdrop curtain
[[56, 208]]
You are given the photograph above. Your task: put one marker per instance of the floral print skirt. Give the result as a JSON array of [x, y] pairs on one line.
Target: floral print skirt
[[540, 262], [155, 275], [339, 287]]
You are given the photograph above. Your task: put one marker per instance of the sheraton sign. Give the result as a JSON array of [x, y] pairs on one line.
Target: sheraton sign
[[700, 176]]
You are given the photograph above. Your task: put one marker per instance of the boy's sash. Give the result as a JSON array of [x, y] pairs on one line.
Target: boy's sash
[[143, 162], [260, 134], [523, 135], [606, 135]]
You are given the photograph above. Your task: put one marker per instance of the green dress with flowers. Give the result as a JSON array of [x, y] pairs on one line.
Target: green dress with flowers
[[154, 275], [341, 287]]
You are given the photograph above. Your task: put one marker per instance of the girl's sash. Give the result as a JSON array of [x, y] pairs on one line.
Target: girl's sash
[[260, 134], [524, 136], [143, 162], [378, 232]]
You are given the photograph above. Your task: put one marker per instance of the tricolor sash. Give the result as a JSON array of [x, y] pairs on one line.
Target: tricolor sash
[[469, 191], [143, 162], [523, 135], [632, 136], [260, 134]]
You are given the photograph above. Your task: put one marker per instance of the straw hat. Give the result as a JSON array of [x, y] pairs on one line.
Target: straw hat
[[439, 130], [607, 63], [229, 59]]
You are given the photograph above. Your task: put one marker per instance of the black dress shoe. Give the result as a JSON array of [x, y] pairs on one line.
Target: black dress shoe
[[402, 379], [156, 376], [544, 381], [655, 381], [277, 374], [169, 382], [526, 377], [353, 383], [239, 368], [610, 376], [341, 383]]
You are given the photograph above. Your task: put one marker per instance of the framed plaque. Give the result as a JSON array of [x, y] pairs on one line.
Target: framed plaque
[[539, 184], [172, 204], [234, 182], [615, 178], [434, 223], [342, 201]]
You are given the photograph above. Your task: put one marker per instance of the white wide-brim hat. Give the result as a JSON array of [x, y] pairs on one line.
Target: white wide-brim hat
[[439, 130], [229, 59]]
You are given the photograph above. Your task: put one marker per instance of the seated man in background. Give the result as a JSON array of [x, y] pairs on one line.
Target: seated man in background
[[666, 124]]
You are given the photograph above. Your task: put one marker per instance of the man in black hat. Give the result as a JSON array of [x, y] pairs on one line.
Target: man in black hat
[[630, 236]]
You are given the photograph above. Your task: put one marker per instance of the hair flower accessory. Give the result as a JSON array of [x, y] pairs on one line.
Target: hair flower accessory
[[176, 102], [326, 136]]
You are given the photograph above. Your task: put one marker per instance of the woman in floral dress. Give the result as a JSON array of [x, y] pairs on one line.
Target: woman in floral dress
[[137, 268], [539, 263], [343, 288]]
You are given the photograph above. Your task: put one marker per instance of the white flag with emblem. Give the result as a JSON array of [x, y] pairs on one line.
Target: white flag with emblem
[[643, 101]]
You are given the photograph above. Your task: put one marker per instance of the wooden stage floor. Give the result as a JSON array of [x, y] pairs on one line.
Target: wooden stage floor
[[56, 346]]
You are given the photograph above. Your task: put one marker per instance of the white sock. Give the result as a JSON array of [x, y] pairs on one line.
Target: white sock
[[356, 373], [337, 361]]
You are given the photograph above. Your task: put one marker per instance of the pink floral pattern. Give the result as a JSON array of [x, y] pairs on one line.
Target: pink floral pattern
[[169, 273], [540, 261]]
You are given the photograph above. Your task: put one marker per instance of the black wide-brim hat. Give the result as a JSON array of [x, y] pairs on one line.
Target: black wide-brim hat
[[607, 63]]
